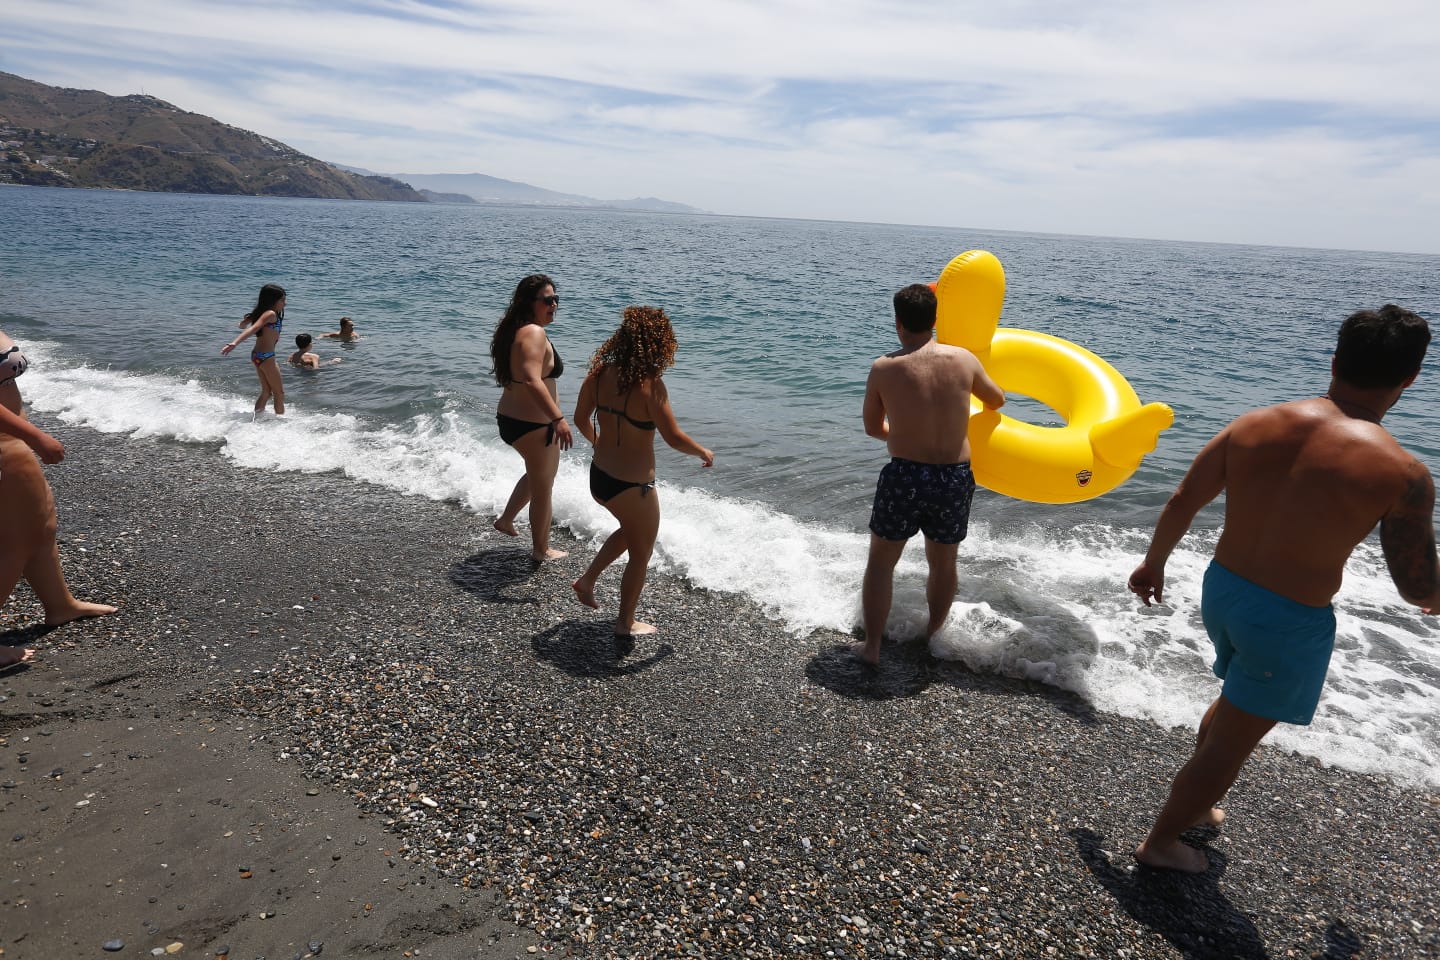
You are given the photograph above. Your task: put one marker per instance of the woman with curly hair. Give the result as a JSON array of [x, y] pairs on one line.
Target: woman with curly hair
[[624, 394], [529, 415]]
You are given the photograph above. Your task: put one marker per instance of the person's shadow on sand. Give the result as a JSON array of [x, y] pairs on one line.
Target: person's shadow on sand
[[1186, 909], [1341, 943], [489, 573], [584, 648], [904, 671]]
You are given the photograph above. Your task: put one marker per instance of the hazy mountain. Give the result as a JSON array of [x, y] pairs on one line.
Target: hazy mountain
[[483, 188], [59, 137]]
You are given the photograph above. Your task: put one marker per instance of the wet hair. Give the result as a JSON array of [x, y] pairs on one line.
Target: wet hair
[[303, 341], [915, 307], [270, 294], [346, 321], [1380, 349], [640, 350], [521, 309]]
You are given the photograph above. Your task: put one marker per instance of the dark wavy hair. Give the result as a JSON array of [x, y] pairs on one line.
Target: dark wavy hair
[[641, 349], [521, 309], [270, 294], [1381, 348]]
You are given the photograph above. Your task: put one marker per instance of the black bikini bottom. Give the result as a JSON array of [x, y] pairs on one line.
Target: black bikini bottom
[[512, 429], [604, 487]]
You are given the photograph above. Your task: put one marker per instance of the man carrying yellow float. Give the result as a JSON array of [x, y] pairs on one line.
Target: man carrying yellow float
[[917, 400]]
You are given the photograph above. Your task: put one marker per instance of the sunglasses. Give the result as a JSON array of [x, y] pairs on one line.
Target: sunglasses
[[550, 301]]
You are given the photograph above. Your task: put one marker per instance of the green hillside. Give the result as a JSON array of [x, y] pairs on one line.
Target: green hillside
[[58, 137]]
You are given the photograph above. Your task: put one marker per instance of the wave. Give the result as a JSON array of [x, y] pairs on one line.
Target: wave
[[1044, 604]]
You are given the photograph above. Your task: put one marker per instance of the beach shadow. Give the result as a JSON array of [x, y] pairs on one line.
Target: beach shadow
[[1341, 943], [25, 636], [1188, 910], [489, 573], [904, 671], [584, 648]]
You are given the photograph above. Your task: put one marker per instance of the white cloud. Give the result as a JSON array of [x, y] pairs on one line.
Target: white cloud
[[1287, 122]]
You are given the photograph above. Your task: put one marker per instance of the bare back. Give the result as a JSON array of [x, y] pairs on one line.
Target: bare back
[[918, 401], [625, 444], [1304, 484]]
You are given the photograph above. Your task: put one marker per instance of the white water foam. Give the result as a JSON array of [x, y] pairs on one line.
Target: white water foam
[[1049, 605]]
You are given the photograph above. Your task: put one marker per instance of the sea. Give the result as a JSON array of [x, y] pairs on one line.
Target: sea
[[123, 300]]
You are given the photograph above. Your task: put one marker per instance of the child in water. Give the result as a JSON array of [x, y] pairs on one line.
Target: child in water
[[306, 360]]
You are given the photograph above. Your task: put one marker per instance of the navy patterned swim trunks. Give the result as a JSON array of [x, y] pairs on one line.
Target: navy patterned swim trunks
[[934, 497]]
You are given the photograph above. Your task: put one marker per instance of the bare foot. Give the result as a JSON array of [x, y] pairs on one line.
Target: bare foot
[[79, 611], [637, 629], [585, 595], [866, 651], [9, 656], [506, 527], [1174, 856], [549, 554], [1211, 818]]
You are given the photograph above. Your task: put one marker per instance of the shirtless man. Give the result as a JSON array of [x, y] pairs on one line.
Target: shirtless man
[[917, 400], [346, 331], [1304, 483]]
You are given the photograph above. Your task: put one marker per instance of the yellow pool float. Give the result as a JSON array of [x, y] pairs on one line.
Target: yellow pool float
[[1106, 433]]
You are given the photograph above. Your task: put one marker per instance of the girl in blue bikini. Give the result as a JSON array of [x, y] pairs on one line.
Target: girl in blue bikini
[[265, 322], [628, 400]]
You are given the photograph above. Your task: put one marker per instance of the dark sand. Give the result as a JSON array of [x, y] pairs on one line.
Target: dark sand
[[331, 713]]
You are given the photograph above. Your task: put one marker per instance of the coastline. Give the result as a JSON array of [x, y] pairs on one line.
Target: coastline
[[726, 789]]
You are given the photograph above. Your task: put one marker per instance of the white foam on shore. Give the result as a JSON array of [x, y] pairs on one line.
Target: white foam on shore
[[1049, 605]]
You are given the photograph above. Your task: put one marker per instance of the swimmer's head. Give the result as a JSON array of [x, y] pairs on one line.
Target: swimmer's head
[[347, 325], [303, 341]]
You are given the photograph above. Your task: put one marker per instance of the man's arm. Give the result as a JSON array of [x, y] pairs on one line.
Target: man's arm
[[1407, 536], [1202, 483], [874, 413], [986, 389]]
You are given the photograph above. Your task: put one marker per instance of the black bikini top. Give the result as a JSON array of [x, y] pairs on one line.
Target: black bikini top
[[559, 366], [637, 424]]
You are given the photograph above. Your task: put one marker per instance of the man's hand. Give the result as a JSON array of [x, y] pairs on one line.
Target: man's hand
[[1146, 582]]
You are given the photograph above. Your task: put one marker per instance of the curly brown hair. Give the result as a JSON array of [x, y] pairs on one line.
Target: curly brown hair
[[641, 349]]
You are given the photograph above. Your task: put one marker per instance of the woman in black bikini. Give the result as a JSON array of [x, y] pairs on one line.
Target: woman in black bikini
[[529, 415], [624, 388], [27, 510], [265, 322]]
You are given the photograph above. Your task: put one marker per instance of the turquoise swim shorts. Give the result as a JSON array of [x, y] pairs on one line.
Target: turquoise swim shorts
[[1271, 651]]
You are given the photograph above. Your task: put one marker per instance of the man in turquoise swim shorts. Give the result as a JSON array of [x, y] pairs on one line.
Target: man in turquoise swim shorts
[[917, 400], [1304, 483]]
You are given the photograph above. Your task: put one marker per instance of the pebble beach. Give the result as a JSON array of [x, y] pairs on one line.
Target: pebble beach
[[330, 719]]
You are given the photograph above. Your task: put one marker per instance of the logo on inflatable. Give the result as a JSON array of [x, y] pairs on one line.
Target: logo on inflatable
[[1083, 478]]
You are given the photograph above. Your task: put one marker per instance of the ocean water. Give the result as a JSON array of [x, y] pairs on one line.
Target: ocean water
[[123, 300]]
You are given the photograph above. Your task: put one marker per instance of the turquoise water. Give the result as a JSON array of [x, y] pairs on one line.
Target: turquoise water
[[126, 299]]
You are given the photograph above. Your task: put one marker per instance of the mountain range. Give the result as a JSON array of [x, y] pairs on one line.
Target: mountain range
[[62, 137]]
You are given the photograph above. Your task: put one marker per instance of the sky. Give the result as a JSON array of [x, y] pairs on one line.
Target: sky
[[1290, 122]]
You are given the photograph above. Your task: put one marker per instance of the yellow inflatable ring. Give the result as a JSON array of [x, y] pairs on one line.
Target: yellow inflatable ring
[[1107, 431]]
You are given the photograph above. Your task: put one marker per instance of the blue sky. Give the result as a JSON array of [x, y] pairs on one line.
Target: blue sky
[[1302, 123]]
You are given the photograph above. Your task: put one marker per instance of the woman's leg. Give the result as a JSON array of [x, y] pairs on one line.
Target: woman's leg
[[27, 544], [608, 553], [542, 460], [270, 386], [638, 511], [520, 496]]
